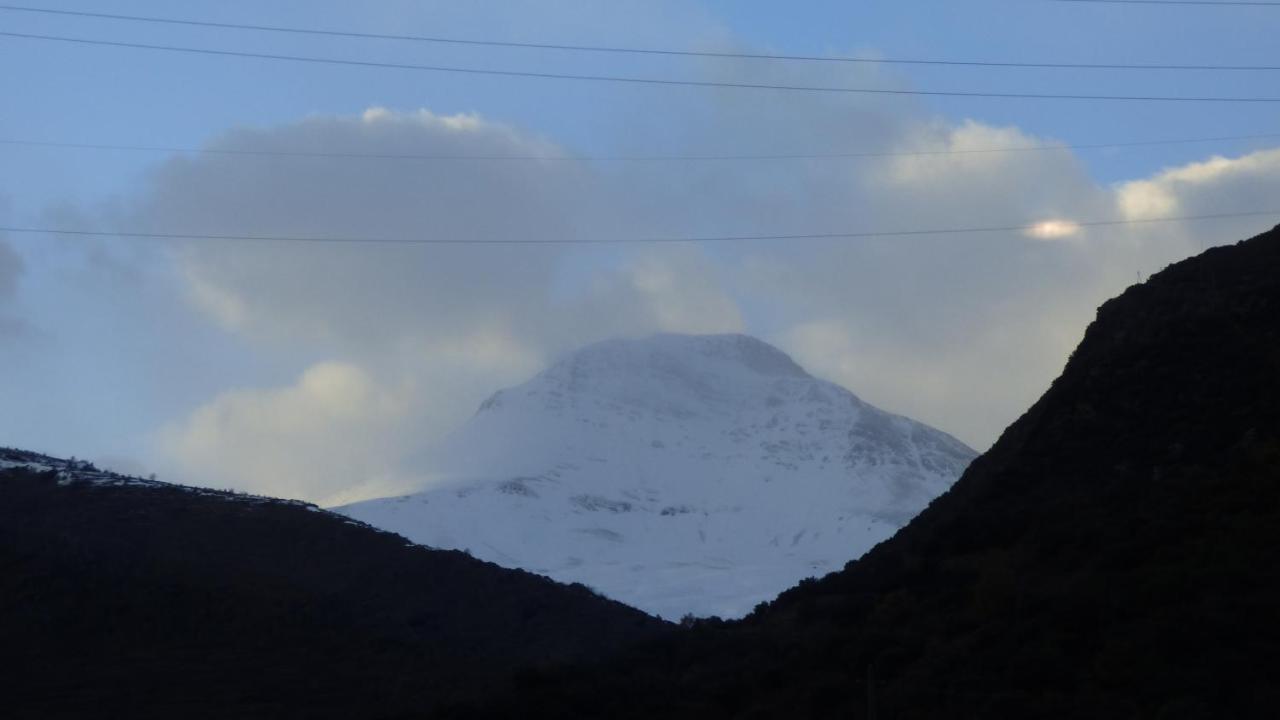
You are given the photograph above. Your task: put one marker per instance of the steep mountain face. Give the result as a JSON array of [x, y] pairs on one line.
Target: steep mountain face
[[678, 474], [122, 597], [1112, 556]]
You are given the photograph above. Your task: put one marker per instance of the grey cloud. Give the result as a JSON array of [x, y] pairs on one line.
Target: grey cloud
[[962, 331], [438, 325], [11, 270]]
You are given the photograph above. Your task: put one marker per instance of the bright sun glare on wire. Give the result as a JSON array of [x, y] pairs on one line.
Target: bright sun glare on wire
[[1053, 229]]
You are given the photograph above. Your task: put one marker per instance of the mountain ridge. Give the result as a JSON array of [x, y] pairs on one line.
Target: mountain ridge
[[683, 474], [125, 597], [1110, 557]]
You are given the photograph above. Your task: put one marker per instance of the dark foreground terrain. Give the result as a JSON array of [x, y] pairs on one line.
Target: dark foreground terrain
[[1112, 556], [125, 598]]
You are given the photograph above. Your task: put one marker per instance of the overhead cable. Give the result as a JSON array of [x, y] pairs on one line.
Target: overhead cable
[[1236, 99]]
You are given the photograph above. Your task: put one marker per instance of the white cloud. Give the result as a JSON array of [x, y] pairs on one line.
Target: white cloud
[[671, 289], [367, 293], [330, 432], [963, 331], [1004, 365], [439, 327], [1219, 184]]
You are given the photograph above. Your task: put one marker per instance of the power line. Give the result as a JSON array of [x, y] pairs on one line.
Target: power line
[[641, 80], [435, 39], [1174, 2], [636, 158], [618, 241]]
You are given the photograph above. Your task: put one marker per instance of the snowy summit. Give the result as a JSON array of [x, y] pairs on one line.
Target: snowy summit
[[679, 474]]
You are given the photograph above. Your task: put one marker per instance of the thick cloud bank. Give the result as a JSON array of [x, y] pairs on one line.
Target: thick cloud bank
[[401, 341]]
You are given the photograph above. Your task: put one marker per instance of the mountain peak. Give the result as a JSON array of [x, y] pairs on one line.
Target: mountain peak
[[679, 473], [727, 351], [668, 374]]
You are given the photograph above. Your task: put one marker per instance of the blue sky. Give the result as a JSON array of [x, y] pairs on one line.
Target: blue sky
[[125, 345], [99, 94]]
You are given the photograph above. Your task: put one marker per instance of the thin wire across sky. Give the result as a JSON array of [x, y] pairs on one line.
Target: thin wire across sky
[[1197, 3], [1067, 227], [854, 155], [652, 81], [1075, 226], [480, 42]]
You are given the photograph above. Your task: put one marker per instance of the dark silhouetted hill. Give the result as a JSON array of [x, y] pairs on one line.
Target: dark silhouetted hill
[[127, 598], [1112, 556]]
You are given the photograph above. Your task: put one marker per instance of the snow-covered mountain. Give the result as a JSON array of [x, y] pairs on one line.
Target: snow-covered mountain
[[679, 474]]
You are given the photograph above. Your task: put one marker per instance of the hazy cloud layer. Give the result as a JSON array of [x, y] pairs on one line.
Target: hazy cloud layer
[[329, 370], [960, 330], [435, 326]]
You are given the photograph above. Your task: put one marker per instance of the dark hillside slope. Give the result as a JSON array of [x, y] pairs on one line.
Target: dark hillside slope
[[1112, 556], [128, 598]]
